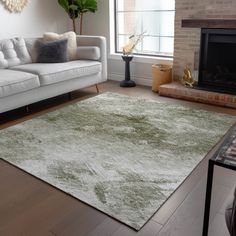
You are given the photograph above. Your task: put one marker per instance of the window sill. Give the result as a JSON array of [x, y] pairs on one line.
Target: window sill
[[144, 59]]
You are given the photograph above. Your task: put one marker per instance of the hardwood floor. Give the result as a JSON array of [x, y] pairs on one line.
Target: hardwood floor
[[29, 206]]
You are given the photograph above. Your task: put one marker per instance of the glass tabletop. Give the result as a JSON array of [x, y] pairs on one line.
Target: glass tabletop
[[227, 152]]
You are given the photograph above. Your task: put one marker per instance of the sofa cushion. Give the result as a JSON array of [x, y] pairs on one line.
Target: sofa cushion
[[13, 82], [13, 52], [30, 45], [52, 52], [57, 72]]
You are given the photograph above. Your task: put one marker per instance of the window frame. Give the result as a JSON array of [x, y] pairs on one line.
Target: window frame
[[135, 53]]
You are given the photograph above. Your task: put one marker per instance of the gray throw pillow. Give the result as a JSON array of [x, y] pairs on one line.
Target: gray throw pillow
[[52, 52]]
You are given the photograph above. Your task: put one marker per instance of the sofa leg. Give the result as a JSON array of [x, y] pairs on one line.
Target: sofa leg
[[69, 96], [27, 109], [97, 88]]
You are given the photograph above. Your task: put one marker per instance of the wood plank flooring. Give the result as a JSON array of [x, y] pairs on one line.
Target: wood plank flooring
[[29, 206]]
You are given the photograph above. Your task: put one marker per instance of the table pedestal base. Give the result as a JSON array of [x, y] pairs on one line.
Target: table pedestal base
[[127, 83]]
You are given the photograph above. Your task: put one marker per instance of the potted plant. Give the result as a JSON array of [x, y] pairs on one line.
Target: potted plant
[[76, 8]]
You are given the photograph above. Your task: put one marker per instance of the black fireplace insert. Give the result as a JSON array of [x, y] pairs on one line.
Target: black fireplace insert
[[217, 66]]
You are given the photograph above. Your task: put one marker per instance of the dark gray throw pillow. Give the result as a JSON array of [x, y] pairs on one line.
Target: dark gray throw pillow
[[52, 52]]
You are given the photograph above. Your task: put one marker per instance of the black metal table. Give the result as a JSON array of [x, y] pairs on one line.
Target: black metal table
[[224, 157]]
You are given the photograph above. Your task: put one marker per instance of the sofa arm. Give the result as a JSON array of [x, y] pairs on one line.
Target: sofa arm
[[97, 41]]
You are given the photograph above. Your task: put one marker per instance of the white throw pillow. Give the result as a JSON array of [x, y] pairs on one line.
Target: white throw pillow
[[72, 44]]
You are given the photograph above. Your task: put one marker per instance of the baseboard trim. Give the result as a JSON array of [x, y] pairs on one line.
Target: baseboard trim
[[139, 80]]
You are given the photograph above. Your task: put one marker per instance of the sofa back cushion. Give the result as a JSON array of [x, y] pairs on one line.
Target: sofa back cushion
[[13, 52], [88, 53], [70, 36], [30, 45]]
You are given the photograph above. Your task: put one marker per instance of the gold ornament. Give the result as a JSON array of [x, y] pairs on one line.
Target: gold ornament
[[187, 78], [15, 5]]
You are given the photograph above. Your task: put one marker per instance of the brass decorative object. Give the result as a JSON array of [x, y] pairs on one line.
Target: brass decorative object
[[187, 78], [15, 5]]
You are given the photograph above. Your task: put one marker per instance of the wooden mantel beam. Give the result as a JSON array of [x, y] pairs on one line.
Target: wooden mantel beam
[[209, 23]]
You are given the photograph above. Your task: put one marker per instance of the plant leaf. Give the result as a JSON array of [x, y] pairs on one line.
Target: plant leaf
[[70, 8], [86, 5], [64, 4], [74, 8]]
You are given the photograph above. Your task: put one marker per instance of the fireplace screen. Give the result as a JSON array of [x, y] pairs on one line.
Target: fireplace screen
[[217, 70]]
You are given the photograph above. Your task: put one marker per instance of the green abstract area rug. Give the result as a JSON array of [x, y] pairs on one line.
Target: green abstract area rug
[[122, 155]]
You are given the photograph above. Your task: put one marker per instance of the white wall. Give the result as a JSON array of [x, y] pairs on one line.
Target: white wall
[[36, 18], [98, 24]]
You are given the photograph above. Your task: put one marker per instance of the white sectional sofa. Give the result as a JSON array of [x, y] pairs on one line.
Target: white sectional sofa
[[23, 82]]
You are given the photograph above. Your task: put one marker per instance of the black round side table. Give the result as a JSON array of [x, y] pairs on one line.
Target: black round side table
[[127, 82]]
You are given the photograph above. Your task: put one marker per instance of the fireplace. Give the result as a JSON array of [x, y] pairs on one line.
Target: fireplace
[[217, 69], [217, 66]]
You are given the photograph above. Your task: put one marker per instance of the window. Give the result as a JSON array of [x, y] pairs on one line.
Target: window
[[154, 17]]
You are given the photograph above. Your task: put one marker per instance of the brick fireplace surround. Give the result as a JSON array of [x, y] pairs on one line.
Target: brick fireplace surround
[[177, 90], [191, 16]]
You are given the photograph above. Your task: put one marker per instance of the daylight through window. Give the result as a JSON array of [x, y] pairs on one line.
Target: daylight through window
[[155, 17]]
